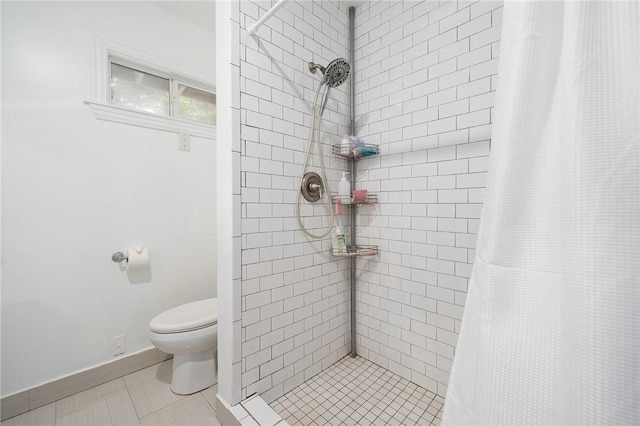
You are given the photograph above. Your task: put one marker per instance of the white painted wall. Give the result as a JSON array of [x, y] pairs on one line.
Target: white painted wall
[[76, 189], [228, 194]]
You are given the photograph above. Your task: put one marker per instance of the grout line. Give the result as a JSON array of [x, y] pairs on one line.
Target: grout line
[[347, 370], [207, 399], [135, 409], [251, 415]]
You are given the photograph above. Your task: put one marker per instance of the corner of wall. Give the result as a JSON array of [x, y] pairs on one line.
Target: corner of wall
[[228, 165]]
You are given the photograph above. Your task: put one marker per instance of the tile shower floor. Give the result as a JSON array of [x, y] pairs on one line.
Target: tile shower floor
[[352, 391], [140, 398], [355, 391]]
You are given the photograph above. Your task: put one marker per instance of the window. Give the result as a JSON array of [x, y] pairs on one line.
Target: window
[[195, 104], [135, 88], [138, 88]]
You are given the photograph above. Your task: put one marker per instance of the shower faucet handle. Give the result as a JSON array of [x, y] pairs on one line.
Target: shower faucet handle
[[317, 187], [311, 187]]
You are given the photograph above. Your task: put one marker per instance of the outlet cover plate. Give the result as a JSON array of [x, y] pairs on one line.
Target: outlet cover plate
[[118, 345], [184, 142]]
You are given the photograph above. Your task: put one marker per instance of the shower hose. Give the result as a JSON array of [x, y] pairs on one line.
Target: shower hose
[[312, 130]]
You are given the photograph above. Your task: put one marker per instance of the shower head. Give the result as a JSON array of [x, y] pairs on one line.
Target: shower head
[[335, 73]]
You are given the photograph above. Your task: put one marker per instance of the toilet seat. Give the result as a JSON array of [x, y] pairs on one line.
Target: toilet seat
[[187, 317]]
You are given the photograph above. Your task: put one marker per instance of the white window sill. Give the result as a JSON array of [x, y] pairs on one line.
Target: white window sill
[[143, 119]]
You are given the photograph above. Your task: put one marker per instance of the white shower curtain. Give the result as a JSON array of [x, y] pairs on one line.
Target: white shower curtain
[[551, 329]]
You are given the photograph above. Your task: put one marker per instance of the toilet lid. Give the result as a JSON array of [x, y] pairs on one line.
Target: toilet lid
[[187, 317]]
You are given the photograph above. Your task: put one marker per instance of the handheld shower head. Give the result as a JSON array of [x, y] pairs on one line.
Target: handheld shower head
[[333, 74], [336, 72], [312, 187]]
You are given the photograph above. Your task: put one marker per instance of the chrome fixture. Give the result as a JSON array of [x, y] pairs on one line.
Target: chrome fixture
[[313, 185], [333, 75], [118, 257]]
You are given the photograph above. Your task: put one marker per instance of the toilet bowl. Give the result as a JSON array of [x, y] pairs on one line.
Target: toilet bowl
[[190, 333]]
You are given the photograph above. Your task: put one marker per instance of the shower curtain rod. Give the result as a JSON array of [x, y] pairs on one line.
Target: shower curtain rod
[[258, 24]]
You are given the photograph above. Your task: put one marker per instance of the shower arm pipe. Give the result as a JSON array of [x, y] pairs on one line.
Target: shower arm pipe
[[266, 16]]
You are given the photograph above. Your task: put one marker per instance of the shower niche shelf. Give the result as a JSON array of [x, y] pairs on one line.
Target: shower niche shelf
[[356, 251], [351, 152], [355, 201]]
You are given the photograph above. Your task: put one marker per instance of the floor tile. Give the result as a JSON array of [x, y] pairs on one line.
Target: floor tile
[[261, 411], [193, 410], [210, 395], [115, 409], [150, 388], [249, 421], [355, 391], [427, 418], [43, 416], [88, 397]]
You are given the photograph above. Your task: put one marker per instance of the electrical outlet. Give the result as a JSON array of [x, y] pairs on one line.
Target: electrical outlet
[[184, 142], [117, 345]]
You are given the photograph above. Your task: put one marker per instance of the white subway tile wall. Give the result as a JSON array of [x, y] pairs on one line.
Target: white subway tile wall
[[424, 90], [425, 75], [295, 297]]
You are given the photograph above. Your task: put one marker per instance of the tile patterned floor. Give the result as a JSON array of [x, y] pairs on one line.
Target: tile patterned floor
[[140, 398], [355, 391]]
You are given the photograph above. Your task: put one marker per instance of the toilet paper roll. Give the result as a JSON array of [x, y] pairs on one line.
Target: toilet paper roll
[[137, 259]]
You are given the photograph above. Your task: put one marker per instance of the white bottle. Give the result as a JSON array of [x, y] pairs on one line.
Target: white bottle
[[344, 189], [345, 146], [340, 241]]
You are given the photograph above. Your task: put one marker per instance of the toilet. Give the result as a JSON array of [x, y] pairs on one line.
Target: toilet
[[190, 333]]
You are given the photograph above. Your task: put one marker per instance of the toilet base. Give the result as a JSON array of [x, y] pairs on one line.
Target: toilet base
[[193, 372]]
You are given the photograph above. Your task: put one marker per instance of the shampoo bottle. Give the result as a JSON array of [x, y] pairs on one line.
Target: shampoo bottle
[[344, 189], [345, 146], [340, 240]]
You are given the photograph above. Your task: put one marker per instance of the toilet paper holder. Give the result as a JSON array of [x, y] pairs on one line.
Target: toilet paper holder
[[118, 257]]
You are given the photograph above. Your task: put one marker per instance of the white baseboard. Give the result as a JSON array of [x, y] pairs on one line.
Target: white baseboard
[[21, 402]]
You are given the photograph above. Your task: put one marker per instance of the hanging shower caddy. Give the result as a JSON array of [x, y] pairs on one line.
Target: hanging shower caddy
[[353, 154]]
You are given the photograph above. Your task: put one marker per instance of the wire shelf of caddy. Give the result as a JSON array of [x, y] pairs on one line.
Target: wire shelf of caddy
[[357, 250], [357, 199], [355, 151]]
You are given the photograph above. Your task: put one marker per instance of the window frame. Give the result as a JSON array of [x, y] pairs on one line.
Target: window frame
[[108, 52]]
